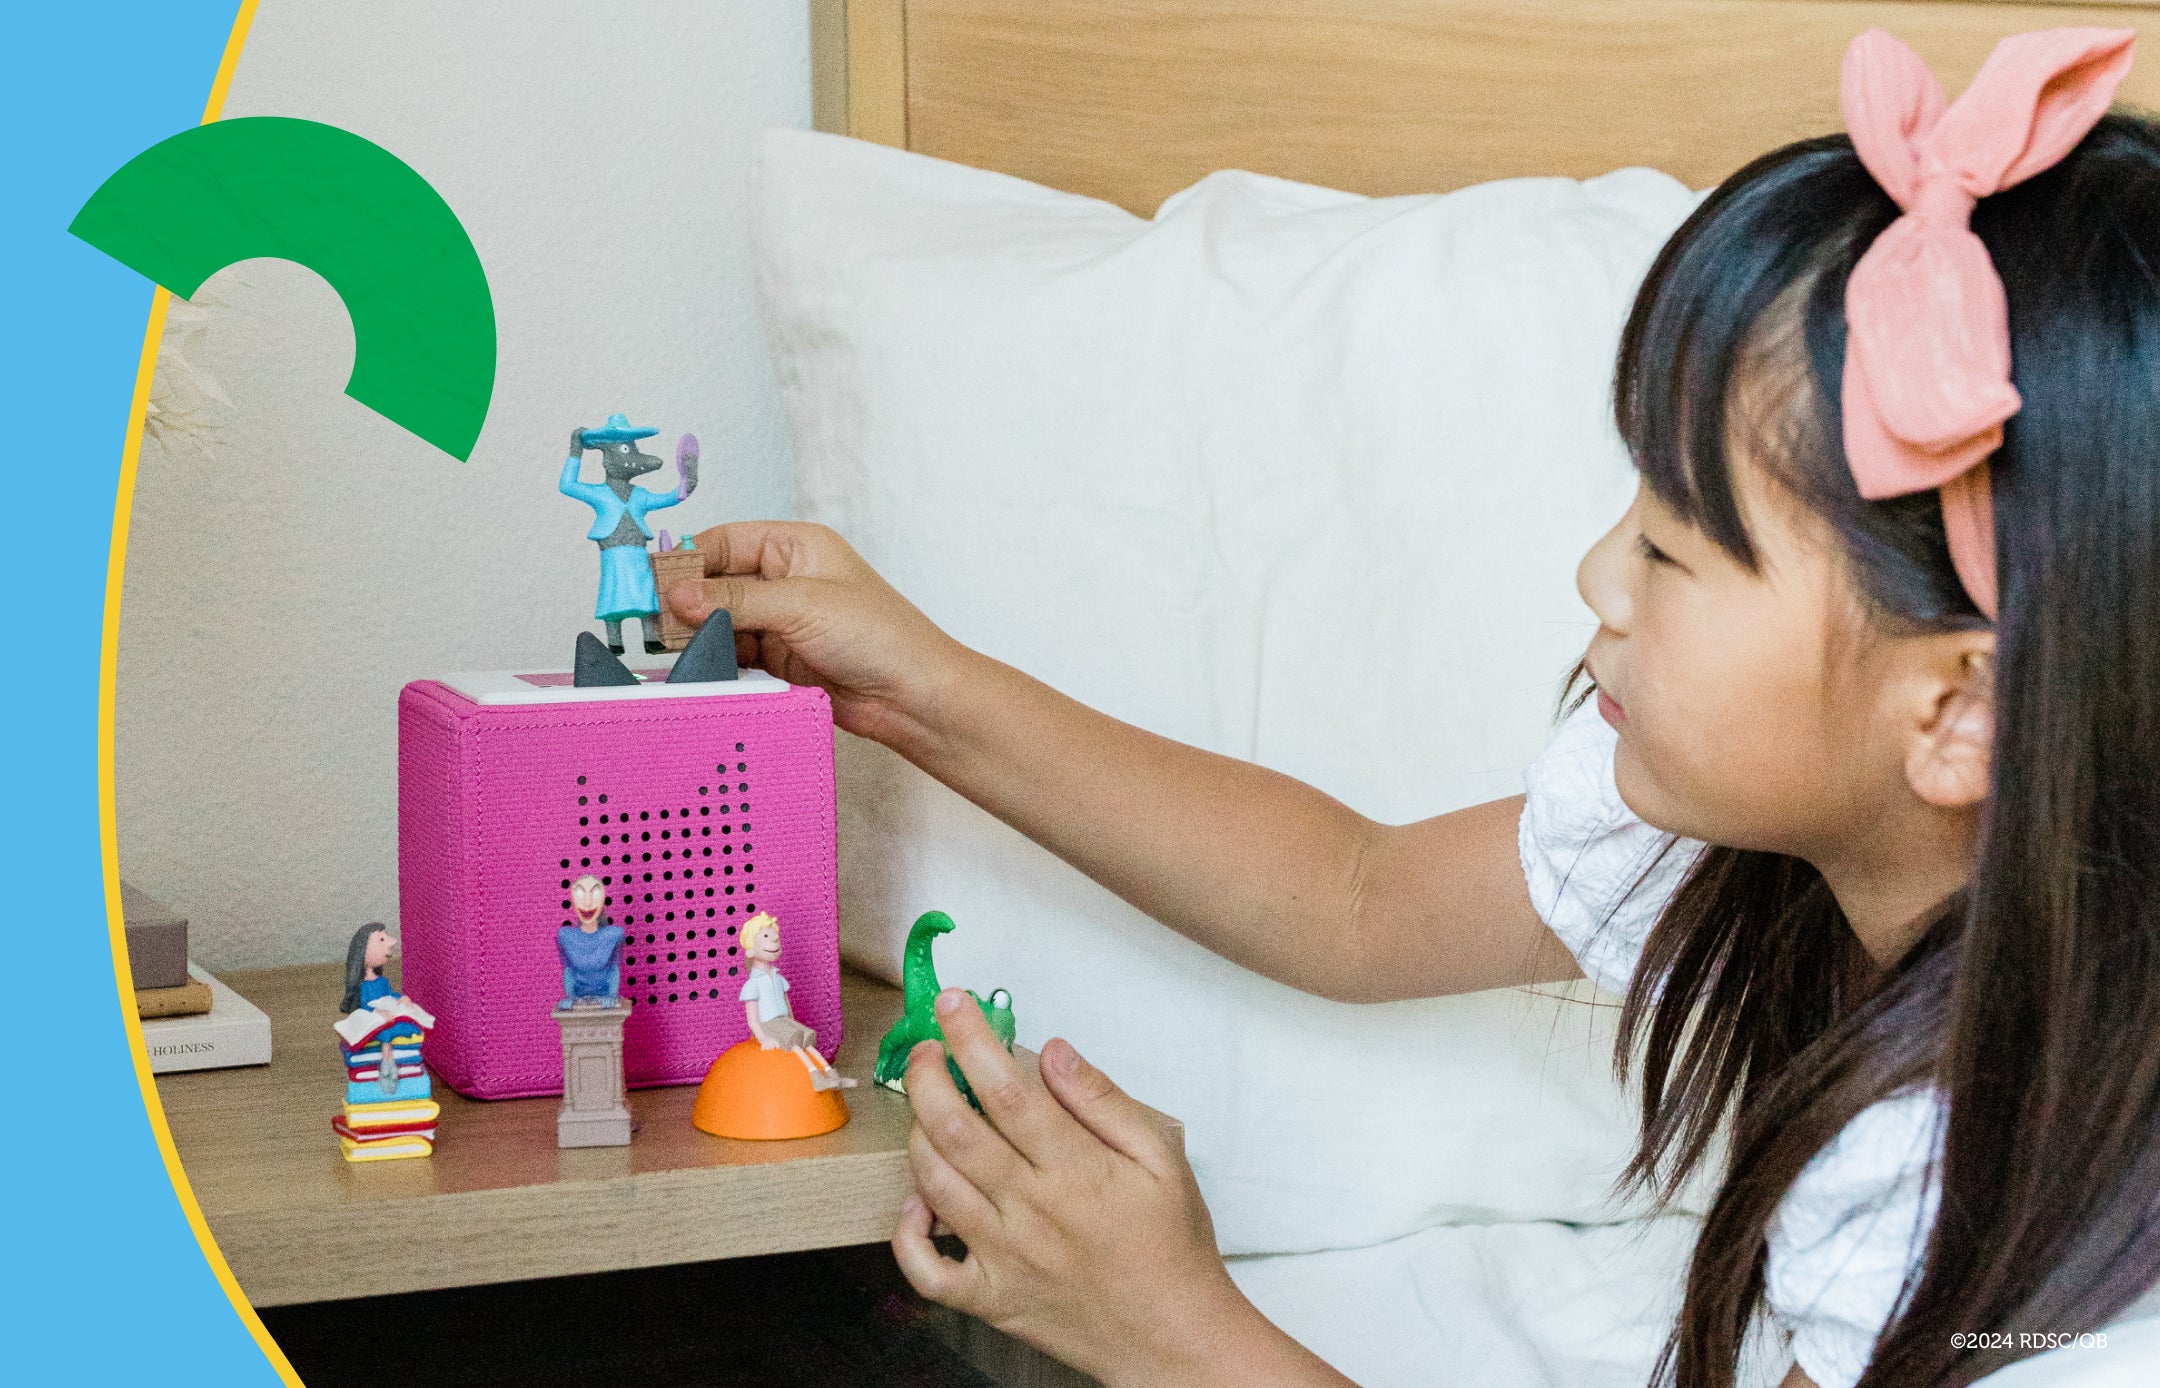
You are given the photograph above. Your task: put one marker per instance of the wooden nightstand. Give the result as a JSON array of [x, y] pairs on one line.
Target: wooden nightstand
[[498, 1201]]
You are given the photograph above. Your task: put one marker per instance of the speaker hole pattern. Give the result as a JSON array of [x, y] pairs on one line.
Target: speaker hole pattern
[[680, 879]]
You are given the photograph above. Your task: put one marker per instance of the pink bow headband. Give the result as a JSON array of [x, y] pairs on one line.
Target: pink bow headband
[[1927, 354]]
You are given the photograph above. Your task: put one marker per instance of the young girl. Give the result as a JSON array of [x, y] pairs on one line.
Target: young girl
[[1862, 810]]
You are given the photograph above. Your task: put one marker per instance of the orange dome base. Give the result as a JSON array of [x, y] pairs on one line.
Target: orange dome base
[[751, 1092]]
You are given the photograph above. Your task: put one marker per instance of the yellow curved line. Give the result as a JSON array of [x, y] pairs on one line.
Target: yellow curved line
[[115, 571]]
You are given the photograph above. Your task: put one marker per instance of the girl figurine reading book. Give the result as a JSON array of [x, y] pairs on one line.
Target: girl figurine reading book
[[367, 985], [381, 1030]]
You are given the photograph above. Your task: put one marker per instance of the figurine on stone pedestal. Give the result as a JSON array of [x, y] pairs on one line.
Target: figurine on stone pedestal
[[595, 1111], [591, 950]]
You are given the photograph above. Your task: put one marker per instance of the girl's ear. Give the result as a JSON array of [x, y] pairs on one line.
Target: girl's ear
[[1947, 759]]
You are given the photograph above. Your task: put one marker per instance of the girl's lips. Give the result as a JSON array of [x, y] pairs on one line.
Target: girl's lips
[[1609, 709]]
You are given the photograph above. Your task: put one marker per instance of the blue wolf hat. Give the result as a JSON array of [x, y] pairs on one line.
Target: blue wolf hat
[[617, 430]]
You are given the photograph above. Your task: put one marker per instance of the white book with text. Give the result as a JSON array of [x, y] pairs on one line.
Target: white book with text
[[233, 1032]]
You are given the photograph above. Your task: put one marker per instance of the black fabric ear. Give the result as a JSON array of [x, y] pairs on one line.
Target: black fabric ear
[[711, 653], [595, 666]]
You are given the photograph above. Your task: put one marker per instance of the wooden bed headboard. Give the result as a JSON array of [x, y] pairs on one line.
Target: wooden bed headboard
[[1131, 100]]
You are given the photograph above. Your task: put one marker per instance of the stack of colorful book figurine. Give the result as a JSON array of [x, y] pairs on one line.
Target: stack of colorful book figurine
[[389, 1109]]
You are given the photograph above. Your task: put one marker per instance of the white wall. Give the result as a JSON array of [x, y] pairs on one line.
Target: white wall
[[296, 558]]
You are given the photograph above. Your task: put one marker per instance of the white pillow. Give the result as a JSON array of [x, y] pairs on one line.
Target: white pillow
[[1290, 474]]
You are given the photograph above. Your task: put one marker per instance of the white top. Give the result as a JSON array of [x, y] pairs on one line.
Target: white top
[[769, 989], [1857, 1217]]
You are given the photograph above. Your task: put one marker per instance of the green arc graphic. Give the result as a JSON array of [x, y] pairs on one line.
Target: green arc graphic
[[351, 211]]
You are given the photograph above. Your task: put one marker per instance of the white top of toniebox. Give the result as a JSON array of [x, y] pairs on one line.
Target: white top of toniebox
[[554, 687]]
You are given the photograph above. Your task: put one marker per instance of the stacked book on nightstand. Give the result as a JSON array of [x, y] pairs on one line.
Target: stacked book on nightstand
[[382, 1132], [389, 1109], [190, 1021]]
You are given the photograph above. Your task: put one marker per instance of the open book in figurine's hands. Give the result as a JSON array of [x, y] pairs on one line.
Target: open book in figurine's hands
[[363, 1023]]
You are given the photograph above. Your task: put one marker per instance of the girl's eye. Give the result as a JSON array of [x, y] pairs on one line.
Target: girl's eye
[[1649, 551]]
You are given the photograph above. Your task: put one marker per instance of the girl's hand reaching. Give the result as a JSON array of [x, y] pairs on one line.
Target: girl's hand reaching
[[1210, 846], [808, 609], [1086, 1234]]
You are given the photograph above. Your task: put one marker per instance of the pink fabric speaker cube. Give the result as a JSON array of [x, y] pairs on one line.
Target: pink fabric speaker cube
[[697, 805]]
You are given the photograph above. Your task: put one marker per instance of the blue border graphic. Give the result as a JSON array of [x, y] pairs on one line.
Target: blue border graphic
[[110, 1286]]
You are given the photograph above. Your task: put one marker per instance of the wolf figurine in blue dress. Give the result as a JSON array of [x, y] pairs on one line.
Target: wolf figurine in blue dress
[[619, 509]]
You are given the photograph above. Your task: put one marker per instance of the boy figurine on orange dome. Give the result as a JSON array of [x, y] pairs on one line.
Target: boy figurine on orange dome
[[765, 1005]]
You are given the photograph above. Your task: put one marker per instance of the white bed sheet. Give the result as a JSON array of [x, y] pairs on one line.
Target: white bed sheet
[[1519, 1305]]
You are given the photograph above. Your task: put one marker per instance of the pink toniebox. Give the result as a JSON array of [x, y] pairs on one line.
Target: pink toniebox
[[696, 805]]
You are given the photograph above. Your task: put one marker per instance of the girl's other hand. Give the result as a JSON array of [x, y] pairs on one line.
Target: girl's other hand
[[1086, 1234], [807, 608]]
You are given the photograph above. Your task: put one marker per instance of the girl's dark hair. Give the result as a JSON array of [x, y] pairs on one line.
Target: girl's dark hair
[[356, 964], [2032, 1000]]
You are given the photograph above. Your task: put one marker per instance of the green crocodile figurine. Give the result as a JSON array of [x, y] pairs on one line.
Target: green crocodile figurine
[[919, 983]]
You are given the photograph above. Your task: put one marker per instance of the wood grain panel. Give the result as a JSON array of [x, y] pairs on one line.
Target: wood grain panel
[[1130, 100], [877, 69]]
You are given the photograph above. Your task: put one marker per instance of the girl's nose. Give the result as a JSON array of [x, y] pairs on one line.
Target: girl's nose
[[1602, 577]]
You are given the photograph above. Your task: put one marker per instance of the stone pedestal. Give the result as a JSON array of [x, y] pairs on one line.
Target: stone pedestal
[[595, 1111]]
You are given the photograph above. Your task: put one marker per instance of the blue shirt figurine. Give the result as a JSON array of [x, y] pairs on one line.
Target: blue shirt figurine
[[591, 950], [619, 509], [372, 948]]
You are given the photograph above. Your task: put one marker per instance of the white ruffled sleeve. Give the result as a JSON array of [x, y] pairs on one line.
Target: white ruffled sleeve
[[1848, 1232], [1599, 877]]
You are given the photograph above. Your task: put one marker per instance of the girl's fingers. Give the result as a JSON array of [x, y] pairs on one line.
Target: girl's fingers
[[1036, 1126], [951, 1195], [689, 601], [928, 1271], [771, 549], [1104, 1109], [735, 548], [754, 604], [956, 1130]]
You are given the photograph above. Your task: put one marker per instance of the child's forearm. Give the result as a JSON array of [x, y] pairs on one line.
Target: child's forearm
[[1239, 858], [1243, 860]]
